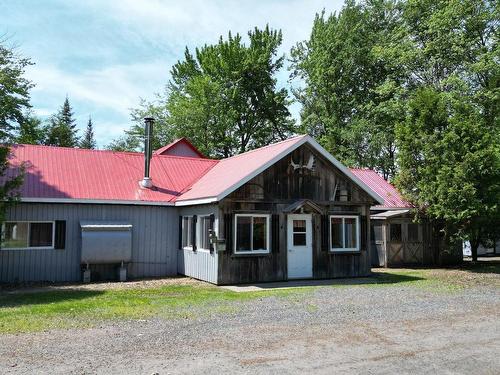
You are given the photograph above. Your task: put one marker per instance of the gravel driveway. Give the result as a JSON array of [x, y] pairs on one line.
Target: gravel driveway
[[351, 329]]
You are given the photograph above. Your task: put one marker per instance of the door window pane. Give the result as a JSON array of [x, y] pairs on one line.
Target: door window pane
[[395, 232], [15, 235], [351, 235], [259, 233], [413, 232], [336, 233], [299, 226], [299, 239], [41, 235]]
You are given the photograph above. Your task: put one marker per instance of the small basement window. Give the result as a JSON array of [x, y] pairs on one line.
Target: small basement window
[[28, 235], [252, 234], [344, 233]]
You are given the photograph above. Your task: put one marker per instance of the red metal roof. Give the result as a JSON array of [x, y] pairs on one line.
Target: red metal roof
[[392, 197], [98, 175], [58, 172]]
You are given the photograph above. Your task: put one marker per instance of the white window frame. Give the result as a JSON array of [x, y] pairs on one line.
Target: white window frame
[[198, 233], [29, 234], [358, 234], [189, 231], [268, 232]]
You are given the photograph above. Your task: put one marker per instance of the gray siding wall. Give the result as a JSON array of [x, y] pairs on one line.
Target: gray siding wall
[[199, 264], [154, 242]]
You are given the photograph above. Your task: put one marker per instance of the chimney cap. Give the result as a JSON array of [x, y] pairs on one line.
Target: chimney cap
[[149, 120]]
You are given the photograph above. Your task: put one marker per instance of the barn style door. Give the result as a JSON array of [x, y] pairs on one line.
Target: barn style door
[[405, 245]]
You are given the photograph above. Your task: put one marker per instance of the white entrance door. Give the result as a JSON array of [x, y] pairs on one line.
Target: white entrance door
[[299, 247]]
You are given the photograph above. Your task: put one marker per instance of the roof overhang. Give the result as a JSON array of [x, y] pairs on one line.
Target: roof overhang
[[95, 201], [300, 204], [389, 214]]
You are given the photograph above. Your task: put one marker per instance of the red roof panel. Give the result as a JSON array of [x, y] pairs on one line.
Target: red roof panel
[[392, 197], [58, 172]]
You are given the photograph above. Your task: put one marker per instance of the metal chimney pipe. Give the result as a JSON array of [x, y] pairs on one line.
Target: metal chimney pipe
[[148, 135]]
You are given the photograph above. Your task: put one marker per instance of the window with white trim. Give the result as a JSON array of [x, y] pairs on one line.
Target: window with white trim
[[344, 233], [187, 234], [203, 232], [251, 234], [28, 235]]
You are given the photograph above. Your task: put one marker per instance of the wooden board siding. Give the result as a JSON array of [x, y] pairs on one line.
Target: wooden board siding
[[272, 192], [154, 251], [281, 183]]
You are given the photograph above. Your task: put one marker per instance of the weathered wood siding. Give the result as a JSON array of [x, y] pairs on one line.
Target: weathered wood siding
[[271, 192], [154, 247]]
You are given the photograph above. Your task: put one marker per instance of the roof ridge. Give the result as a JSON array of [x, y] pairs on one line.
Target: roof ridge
[[134, 153], [266, 146]]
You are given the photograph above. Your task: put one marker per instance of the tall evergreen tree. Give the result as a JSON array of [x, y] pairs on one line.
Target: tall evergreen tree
[[88, 140], [61, 130]]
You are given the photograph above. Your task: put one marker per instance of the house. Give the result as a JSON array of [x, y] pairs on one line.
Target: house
[[289, 210], [396, 238]]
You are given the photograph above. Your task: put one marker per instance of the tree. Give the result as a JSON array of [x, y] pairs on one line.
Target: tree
[[351, 97], [61, 130], [14, 101], [450, 164], [449, 144], [10, 180], [88, 140], [30, 130], [224, 97], [14, 91]]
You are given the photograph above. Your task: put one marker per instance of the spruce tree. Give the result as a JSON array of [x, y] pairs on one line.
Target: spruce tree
[[88, 140], [61, 130]]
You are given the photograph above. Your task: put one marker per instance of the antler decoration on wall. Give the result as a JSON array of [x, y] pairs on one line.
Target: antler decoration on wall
[[311, 163]]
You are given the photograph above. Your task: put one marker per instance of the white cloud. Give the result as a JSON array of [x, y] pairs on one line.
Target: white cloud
[[106, 54]]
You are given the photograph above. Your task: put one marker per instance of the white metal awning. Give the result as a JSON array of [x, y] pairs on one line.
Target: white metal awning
[[388, 214]]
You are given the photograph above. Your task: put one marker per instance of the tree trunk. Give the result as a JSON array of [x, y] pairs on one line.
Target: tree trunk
[[473, 249]]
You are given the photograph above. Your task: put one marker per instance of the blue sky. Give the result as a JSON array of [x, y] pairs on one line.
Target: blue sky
[[105, 55]]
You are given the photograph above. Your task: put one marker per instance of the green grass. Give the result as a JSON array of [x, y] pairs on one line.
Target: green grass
[[37, 311], [60, 309]]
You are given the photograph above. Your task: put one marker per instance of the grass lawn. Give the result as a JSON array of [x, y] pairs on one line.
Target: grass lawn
[[29, 311]]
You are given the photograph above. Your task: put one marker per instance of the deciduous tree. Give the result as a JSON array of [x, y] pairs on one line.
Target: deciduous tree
[[224, 97]]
